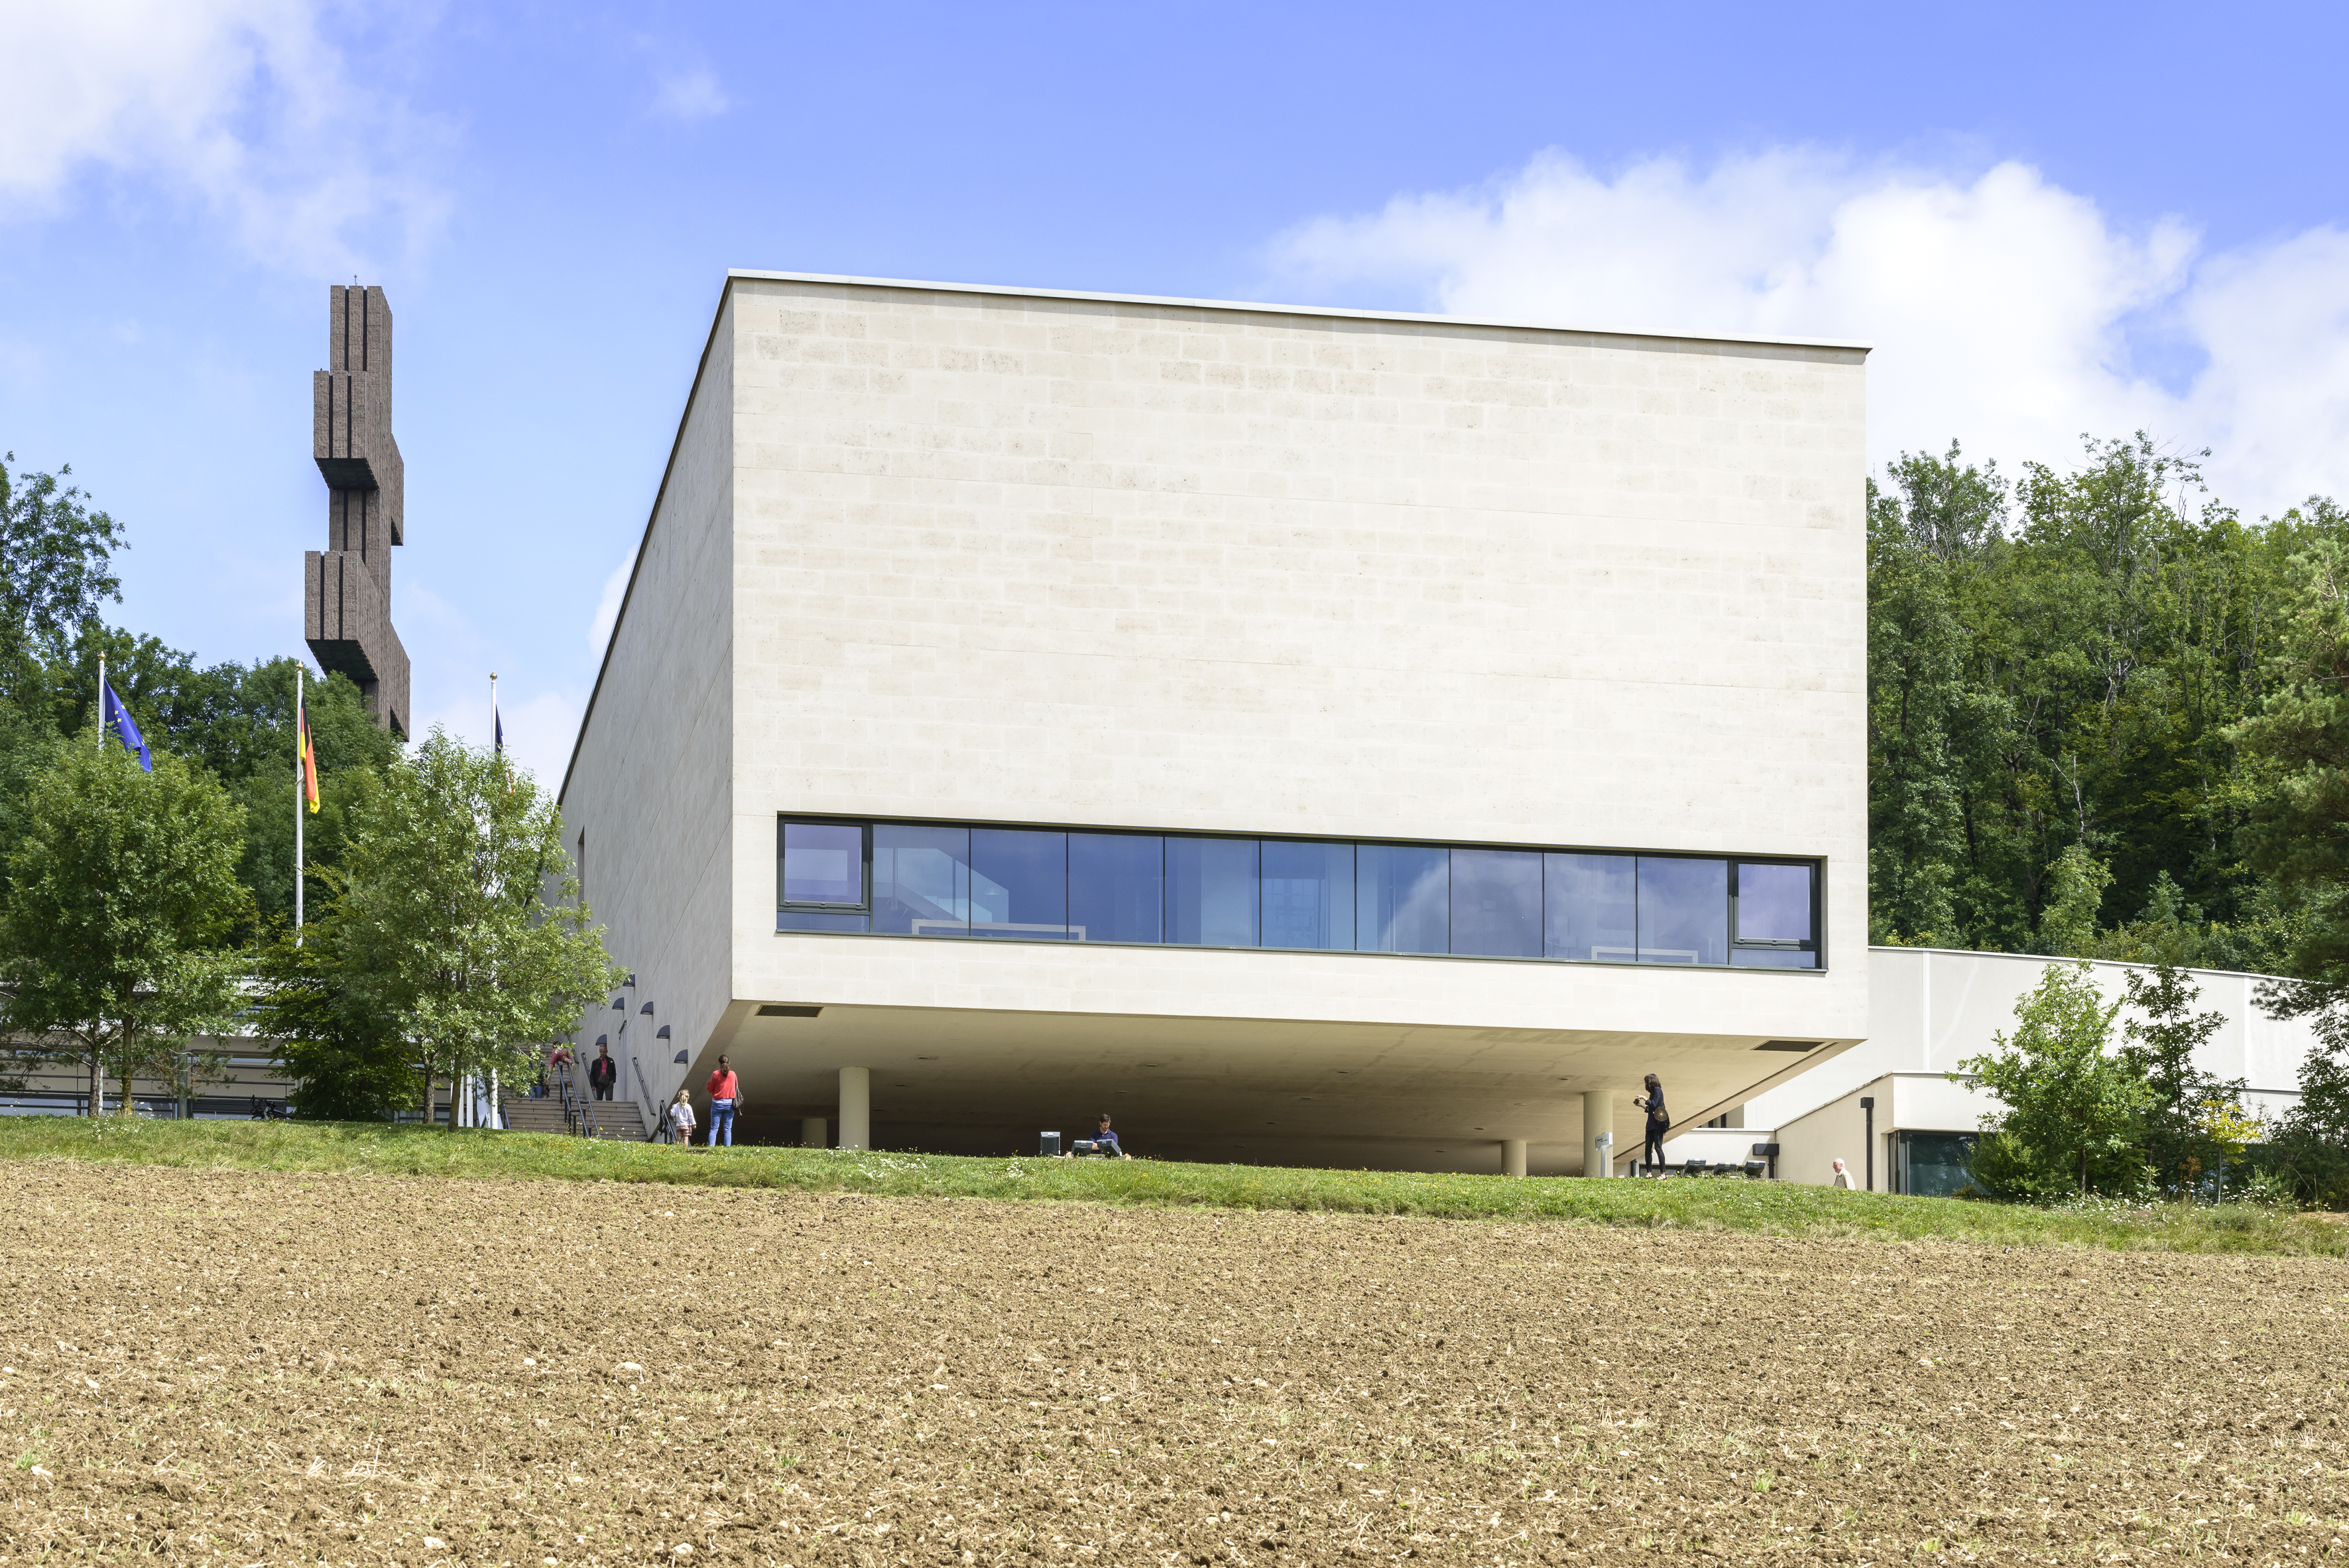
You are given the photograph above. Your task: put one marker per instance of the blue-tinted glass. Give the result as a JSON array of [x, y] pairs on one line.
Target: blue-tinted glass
[[1591, 908], [921, 880], [1402, 899], [1773, 902], [1773, 958], [823, 862], [1019, 885], [1683, 910], [1211, 897], [1496, 902], [1115, 886], [1308, 894], [821, 920]]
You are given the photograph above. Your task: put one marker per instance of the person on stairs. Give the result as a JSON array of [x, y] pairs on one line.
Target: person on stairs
[[603, 1072]]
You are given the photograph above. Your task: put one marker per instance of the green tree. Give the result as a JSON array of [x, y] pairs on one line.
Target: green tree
[[460, 916], [2075, 890], [2073, 1109], [123, 887], [347, 1059], [2163, 1036], [56, 569]]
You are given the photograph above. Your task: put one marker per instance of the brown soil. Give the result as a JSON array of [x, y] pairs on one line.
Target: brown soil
[[257, 1368]]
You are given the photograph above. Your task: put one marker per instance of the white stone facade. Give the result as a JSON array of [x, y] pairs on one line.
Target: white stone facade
[[977, 555]]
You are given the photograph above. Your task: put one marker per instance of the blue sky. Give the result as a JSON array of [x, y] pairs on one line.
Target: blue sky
[[2050, 219]]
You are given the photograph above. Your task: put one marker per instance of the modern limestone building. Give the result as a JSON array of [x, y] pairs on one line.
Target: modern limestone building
[[1308, 734]]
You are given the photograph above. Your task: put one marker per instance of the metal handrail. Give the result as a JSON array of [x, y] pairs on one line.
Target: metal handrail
[[577, 1115], [654, 1126]]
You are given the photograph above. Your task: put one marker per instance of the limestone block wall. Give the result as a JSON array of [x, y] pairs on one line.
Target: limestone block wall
[[1078, 560], [647, 798]]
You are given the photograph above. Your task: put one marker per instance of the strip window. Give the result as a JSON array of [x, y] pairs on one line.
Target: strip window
[[1187, 889]]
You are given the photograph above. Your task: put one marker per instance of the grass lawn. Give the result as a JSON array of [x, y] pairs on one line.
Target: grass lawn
[[1758, 1207]]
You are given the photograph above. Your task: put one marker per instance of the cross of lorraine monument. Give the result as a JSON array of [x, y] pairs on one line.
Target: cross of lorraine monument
[[347, 595]]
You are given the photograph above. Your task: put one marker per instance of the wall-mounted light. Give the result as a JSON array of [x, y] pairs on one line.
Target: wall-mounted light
[[631, 980], [661, 1033], [620, 1004], [602, 1039], [647, 1009], [681, 1058]]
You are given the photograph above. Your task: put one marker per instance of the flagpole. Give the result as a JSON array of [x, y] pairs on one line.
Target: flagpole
[[96, 1083], [299, 672]]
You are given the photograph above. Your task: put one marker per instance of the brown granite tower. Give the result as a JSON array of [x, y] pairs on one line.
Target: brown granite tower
[[346, 610]]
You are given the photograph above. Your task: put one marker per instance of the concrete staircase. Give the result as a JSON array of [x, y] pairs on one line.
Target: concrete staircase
[[618, 1120]]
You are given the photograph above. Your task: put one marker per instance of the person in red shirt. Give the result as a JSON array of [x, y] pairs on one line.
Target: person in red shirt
[[724, 1090]]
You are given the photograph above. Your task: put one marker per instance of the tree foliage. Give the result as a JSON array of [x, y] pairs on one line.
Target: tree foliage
[[122, 894], [459, 913], [2072, 1116], [2055, 668]]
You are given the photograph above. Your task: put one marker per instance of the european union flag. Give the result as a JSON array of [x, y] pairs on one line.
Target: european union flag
[[122, 727]]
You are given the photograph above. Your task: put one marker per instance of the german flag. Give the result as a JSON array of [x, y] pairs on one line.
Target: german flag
[[309, 761]]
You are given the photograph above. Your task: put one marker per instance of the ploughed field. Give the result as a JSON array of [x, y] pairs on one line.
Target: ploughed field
[[254, 1367]]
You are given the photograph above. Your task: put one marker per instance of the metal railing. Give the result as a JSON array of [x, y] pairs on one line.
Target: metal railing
[[656, 1126], [578, 1114]]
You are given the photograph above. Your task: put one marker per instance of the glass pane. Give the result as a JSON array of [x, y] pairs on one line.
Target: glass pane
[[1019, 885], [1211, 893], [823, 862], [1683, 910], [1936, 1163], [1308, 894], [1496, 902], [1402, 899], [1115, 886], [921, 880], [1591, 908], [1773, 902], [821, 920], [1773, 958]]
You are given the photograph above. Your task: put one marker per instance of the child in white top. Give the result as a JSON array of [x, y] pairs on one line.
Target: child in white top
[[681, 1118]]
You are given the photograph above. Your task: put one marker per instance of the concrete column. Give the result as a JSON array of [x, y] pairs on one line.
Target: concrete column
[[1513, 1156], [1597, 1116], [814, 1132], [856, 1107]]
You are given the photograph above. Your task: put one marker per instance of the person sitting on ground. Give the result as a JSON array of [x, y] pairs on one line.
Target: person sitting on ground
[[1105, 1143], [603, 1072], [680, 1119]]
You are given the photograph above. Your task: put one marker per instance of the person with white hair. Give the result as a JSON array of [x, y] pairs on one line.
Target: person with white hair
[[1842, 1176]]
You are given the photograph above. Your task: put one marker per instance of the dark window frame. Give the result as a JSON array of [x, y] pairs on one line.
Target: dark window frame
[[1777, 944], [864, 864], [1816, 866]]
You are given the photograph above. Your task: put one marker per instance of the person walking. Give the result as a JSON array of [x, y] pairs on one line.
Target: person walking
[[603, 1072], [1660, 1121], [1843, 1177], [725, 1089], [680, 1119]]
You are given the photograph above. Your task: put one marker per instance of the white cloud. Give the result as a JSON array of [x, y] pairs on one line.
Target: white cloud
[[2007, 312], [607, 607], [245, 105], [690, 93]]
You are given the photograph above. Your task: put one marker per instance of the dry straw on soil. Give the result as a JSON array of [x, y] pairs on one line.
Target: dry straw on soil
[[251, 1367]]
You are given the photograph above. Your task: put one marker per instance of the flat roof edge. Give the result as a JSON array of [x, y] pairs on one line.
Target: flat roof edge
[[1420, 317]]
